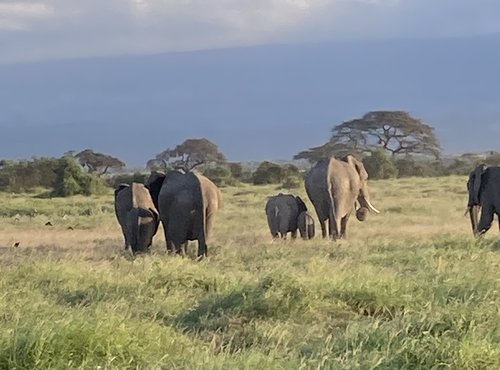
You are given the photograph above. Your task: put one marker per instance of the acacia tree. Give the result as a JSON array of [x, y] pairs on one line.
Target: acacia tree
[[98, 163], [188, 155], [396, 132]]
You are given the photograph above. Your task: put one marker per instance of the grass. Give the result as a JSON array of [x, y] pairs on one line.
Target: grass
[[409, 289]]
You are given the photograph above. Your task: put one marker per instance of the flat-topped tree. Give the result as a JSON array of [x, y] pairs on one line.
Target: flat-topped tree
[[98, 163], [190, 154], [394, 131]]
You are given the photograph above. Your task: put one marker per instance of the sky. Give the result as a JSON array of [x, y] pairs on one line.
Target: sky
[[34, 30], [263, 69]]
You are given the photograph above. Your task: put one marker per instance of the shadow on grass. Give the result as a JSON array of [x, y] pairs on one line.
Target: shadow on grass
[[227, 319]]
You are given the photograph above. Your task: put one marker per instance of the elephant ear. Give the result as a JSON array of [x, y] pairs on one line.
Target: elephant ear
[[156, 218], [474, 184], [300, 203], [120, 188], [358, 166]]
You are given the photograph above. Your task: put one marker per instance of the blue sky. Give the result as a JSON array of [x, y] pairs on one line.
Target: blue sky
[[53, 29]]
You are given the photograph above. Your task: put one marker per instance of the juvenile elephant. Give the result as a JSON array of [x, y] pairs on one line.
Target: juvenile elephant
[[282, 212], [137, 216], [187, 203], [306, 225], [484, 196], [333, 186]]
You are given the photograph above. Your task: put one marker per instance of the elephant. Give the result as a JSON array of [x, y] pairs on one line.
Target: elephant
[[306, 225], [333, 186], [137, 216], [282, 212], [483, 187], [187, 203]]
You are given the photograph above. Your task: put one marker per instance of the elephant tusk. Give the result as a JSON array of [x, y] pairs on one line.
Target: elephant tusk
[[372, 208]]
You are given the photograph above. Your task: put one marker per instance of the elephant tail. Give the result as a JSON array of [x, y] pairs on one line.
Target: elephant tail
[[306, 226]]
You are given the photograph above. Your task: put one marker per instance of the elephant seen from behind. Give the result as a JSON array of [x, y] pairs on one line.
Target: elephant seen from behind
[[334, 186], [187, 203], [137, 216], [285, 214]]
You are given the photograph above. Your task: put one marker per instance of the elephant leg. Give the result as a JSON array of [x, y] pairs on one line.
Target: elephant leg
[[171, 248], [487, 213], [126, 243], [322, 224], [202, 249], [182, 248], [343, 226], [335, 227]]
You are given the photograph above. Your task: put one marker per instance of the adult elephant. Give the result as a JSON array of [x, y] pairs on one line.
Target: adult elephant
[[137, 216], [484, 197], [282, 212], [333, 186], [187, 203]]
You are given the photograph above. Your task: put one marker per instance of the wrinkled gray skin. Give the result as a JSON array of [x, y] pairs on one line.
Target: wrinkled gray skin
[[137, 216], [187, 203], [333, 186], [282, 212], [306, 225], [484, 196]]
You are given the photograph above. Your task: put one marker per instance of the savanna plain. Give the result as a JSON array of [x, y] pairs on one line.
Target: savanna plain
[[409, 289]]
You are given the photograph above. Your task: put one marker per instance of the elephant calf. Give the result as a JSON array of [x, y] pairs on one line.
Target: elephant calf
[[306, 225], [283, 212], [137, 216]]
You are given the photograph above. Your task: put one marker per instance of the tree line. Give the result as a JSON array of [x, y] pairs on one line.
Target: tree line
[[390, 144]]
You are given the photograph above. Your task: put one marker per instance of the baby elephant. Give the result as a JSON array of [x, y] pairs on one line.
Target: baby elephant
[[137, 216], [306, 225], [283, 212]]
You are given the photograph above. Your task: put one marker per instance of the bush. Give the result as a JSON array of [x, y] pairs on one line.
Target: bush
[[408, 167], [379, 165], [268, 173], [126, 178], [292, 182], [22, 176], [220, 175], [71, 179], [238, 172]]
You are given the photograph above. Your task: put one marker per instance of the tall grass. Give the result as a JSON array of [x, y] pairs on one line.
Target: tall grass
[[409, 289]]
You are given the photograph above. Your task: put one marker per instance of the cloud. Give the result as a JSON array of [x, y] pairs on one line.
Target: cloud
[[17, 15], [52, 29]]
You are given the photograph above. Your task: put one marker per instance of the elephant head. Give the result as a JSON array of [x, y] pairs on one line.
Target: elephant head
[[474, 189], [364, 195]]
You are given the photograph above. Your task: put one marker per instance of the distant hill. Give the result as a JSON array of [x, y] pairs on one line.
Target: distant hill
[[256, 103]]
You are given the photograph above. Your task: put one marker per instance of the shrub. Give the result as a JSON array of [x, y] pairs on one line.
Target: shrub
[[408, 167], [268, 173], [126, 178], [379, 165], [71, 179], [22, 176], [238, 172], [220, 175]]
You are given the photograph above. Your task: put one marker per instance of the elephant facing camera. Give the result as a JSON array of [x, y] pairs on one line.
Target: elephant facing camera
[[362, 213]]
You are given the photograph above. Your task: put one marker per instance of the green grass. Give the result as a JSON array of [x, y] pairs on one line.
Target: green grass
[[409, 289]]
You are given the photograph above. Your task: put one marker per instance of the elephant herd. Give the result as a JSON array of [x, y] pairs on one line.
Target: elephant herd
[[186, 203]]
